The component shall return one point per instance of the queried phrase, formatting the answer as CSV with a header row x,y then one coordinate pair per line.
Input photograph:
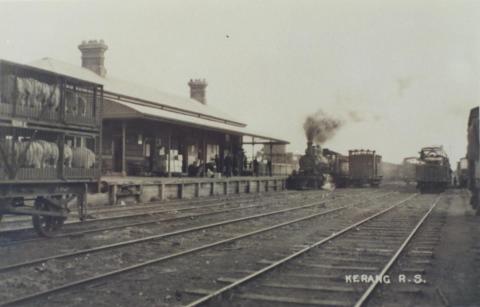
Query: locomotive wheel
x,y
46,226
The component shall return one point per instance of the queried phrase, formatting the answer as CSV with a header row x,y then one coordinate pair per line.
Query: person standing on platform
x,y
228,165
218,167
245,164
255,167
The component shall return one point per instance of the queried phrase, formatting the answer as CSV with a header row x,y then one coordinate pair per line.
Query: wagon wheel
x,y
46,226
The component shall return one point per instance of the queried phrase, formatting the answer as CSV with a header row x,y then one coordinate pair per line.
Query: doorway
x,y
117,154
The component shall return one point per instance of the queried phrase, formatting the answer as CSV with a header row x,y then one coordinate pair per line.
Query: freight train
x,y
318,167
50,137
433,172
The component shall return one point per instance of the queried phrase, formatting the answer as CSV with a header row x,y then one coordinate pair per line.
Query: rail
x,y
280,262
42,293
363,299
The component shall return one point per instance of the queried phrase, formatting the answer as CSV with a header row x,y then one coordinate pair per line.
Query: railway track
x,y
343,269
106,214
419,254
13,237
157,237
156,217
195,247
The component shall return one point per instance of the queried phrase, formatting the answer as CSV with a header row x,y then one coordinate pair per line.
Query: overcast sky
x,y
408,71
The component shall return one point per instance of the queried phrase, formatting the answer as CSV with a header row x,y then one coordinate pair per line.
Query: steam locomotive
x,y
320,167
313,171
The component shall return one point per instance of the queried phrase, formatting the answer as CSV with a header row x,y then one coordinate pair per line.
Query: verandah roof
x,y
118,109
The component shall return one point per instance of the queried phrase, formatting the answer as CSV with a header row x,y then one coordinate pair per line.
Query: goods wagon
x,y
364,167
433,171
473,158
50,136
338,167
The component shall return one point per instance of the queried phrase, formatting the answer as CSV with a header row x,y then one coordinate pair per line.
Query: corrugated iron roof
x,y
134,91
132,110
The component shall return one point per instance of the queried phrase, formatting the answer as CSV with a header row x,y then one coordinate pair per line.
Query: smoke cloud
x,y
320,127
356,116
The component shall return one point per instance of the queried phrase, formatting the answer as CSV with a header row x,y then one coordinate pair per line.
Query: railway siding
x,y
172,247
138,215
325,263
349,249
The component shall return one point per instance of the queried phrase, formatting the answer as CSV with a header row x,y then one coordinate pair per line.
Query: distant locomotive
x,y
433,171
313,171
364,167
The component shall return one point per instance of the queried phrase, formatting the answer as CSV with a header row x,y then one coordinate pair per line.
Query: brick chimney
x,y
92,56
197,90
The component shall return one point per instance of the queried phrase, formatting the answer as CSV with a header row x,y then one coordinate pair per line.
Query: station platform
x,y
147,189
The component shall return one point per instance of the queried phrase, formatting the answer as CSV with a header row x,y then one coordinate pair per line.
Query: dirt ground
x,y
457,257
453,274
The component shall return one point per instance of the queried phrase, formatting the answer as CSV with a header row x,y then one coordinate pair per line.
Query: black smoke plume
x,y
320,127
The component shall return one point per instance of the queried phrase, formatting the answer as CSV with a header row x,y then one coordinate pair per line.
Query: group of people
x,y
230,166
227,167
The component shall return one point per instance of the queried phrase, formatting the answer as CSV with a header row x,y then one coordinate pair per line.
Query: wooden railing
x,y
50,173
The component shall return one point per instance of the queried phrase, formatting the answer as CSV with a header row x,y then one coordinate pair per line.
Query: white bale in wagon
x,y
26,92
28,154
50,154
82,157
67,155
46,95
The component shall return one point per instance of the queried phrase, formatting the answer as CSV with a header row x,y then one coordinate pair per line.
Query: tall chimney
x,y
197,90
92,56
309,150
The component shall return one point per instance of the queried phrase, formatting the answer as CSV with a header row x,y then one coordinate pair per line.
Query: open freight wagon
x,y
50,140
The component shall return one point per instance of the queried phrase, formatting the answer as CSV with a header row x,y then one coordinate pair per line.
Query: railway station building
x,y
152,134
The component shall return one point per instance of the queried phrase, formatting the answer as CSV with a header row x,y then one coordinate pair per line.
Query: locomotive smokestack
x,y
309,149
309,146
